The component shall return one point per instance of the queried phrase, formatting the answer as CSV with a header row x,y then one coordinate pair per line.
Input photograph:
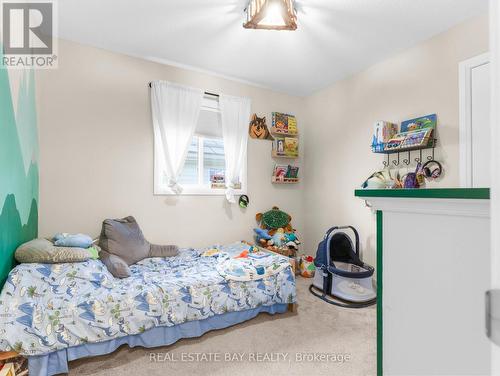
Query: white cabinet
x,y
434,258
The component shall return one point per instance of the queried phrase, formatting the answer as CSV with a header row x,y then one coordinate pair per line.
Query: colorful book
x,y
420,123
292,124
383,132
284,123
292,172
279,146
280,171
417,138
291,147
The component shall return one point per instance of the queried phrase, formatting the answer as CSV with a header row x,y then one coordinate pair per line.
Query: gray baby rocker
x,y
341,277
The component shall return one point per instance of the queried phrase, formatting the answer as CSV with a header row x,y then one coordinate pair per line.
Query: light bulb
x,y
274,15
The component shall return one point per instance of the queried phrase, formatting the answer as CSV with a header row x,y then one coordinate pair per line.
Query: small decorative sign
x,y
258,128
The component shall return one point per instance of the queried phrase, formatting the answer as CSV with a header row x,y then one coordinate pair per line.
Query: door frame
x,y
465,121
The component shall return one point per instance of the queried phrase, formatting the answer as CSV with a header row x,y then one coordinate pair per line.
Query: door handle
x,y
492,311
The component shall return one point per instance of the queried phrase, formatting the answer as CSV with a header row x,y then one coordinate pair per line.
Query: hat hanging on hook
x,y
244,201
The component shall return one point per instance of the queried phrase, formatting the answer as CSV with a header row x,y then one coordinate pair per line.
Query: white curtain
x,y
235,115
175,109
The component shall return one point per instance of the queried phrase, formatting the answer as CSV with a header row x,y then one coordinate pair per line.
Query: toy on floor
x,y
306,266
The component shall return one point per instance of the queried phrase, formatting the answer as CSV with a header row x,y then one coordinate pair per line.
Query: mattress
x,y
49,307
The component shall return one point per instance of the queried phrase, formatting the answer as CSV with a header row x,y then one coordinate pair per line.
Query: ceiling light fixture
x,y
271,15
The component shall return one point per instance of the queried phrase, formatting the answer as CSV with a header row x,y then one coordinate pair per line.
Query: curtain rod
x,y
206,92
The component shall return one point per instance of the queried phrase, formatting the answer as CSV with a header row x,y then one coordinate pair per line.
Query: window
x,y
205,162
204,169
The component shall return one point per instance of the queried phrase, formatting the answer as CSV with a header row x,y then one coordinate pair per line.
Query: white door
x,y
480,125
475,129
495,160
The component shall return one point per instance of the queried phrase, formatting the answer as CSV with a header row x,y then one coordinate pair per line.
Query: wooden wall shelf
x,y
285,180
277,132
275,155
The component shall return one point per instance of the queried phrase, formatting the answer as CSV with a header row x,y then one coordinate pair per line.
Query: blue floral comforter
x,y
48,307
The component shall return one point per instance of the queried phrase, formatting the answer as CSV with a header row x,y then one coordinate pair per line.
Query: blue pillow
x,y
72,240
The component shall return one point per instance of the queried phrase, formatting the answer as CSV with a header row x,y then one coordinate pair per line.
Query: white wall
x,y
419,81
96,144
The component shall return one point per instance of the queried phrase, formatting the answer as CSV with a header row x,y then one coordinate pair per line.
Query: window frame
x,y
209,104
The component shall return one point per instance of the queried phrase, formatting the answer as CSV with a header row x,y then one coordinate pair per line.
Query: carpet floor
x,y
317,339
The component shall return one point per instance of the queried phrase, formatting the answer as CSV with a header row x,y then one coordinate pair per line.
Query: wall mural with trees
x,y
18,168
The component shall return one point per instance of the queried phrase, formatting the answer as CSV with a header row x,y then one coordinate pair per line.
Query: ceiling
x,y
335,38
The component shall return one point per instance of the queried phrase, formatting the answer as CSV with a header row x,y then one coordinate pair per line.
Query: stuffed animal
x,y
276,231
262,235
274,219
278,238
291,240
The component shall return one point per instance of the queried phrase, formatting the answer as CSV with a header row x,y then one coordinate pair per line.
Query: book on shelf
x,y
292,172
282,172
418,138
279,146
284,123
291,147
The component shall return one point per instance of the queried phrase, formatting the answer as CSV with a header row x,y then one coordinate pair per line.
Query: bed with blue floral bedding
x,y
61,310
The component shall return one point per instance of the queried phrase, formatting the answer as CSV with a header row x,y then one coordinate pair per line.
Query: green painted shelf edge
x,y
460,193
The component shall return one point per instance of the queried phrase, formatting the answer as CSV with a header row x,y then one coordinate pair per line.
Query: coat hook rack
x,y
396,163
407,161
386,163
431,158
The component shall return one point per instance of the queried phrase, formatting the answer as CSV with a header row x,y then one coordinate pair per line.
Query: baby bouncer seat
x,y
341,277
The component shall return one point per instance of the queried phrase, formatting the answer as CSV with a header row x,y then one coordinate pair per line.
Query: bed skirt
x,y
57,362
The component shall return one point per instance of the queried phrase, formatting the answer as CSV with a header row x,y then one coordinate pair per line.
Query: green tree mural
x,y
18,169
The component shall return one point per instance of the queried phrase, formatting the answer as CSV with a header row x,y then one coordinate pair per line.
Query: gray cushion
x,y
124,238
163,250
45,252
116,266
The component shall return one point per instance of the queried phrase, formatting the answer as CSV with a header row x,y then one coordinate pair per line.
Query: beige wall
x,y
419,81
96,144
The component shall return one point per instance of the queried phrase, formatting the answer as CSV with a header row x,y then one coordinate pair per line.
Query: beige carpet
x,y
316,328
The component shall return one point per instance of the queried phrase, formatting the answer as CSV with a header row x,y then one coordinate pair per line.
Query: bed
x,y
55,313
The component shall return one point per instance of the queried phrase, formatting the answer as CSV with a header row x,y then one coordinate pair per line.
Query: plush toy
x,y
274,219
276,232
291,240
262,236
243,254
278,238
253,249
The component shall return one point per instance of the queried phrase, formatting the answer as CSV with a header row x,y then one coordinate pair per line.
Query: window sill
x,y
196,191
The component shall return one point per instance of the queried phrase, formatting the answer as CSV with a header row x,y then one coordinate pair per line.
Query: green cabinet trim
x,y
456,193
